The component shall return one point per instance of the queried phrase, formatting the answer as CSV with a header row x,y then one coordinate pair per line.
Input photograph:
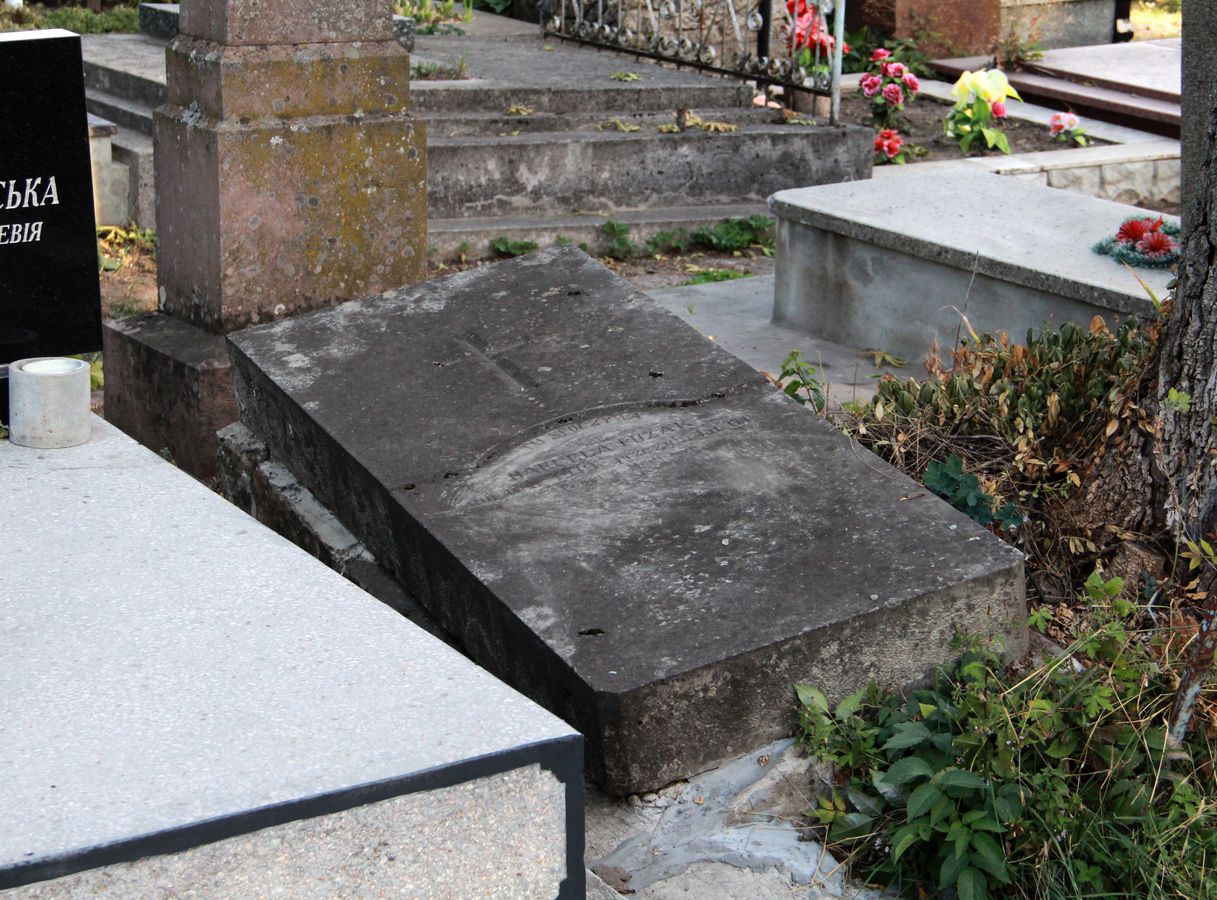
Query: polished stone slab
x,y
613,514
175,674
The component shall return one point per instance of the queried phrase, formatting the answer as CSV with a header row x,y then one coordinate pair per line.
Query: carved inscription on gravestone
x,y
50,302
577,456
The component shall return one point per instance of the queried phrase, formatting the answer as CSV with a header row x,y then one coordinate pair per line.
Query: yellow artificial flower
x,y
962,91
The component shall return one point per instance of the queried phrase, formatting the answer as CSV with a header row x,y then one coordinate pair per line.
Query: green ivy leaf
x,y
923,799
948,874
907,734
990,857
811,697
908,769
864,802
850,705
959,778
903,839
971,884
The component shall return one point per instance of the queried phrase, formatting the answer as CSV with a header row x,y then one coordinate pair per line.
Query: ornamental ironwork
x,y
795,43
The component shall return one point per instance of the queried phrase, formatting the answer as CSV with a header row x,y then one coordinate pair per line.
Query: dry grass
x,y
1152,21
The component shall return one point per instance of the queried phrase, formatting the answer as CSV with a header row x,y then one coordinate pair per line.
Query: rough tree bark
x,y
1188,362
1187,454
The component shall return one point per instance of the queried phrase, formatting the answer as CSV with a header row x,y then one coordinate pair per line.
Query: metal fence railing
x,y
796,43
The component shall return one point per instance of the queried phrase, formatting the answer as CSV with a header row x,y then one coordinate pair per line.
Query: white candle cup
x,y
48,402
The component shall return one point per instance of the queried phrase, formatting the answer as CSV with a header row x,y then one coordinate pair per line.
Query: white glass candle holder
x,y
48,402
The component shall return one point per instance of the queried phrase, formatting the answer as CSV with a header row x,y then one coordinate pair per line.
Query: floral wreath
x,y
1146,242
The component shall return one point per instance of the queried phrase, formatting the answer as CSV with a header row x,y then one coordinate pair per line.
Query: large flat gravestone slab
x,y
619,518
893,263
50,300
178,679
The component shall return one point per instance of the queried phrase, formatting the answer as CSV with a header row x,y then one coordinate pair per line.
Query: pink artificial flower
x,y
1156,243
1062,121
870,84
893,94
880,55
911,82
999,110
894,70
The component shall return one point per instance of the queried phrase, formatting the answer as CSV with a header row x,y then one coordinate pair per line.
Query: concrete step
x,y
479,95
449,239
1122,107
564,172
195,706
130,114
130,66
498,123
134,149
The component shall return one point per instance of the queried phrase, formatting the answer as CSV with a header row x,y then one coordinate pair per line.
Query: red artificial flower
x,y
870,84
1135,229
880,55
1156,243
893,69
999,110
893,94
911,82
889,143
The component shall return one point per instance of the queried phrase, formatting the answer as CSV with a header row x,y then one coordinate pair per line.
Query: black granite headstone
x,y
612,514
50,300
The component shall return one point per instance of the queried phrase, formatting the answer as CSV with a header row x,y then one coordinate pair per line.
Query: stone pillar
x,y
289,176
1199,71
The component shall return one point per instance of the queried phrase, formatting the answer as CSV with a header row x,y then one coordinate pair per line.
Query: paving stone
x,y
1128,182
614,514
1088,181
175,675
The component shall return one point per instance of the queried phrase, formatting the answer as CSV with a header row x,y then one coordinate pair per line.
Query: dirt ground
x,y
132,288
925,116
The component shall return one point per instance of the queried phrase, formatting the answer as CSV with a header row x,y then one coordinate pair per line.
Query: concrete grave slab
x,y
893,263
615,515
191,703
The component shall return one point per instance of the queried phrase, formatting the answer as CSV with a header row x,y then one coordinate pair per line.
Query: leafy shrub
x,y
964,492
1027,420
713,276
1054,782
732,235
119,20
617,240
504,246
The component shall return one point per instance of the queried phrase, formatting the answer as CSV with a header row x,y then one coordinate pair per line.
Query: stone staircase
x,y
543,140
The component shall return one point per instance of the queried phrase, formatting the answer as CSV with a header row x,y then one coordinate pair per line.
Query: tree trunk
x,y
1188,362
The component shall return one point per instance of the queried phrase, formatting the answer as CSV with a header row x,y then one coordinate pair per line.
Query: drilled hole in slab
x,y
408,487
591,632
657,374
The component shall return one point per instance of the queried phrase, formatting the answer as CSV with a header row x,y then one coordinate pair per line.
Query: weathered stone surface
x,y
288,178
236,22
615,515
168,385
264,220
159,20
266,490
365,79
893,263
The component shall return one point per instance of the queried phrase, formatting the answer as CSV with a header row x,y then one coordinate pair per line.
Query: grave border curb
x,y
563,757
